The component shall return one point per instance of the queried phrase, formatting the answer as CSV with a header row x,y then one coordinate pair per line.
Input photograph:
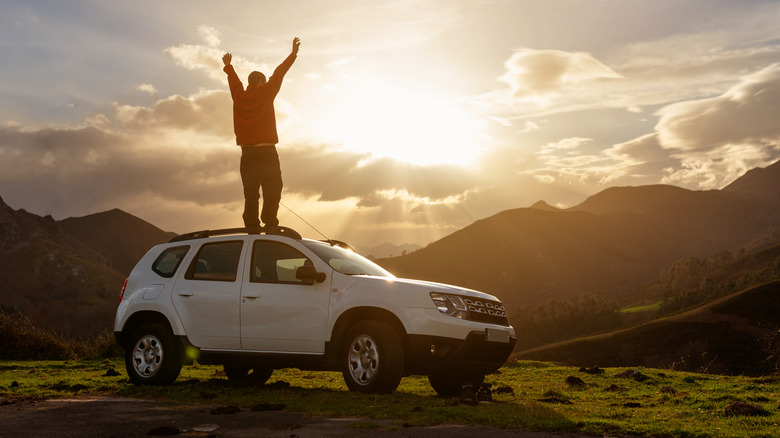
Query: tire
x,y
247,373
372,359
151,357
451,386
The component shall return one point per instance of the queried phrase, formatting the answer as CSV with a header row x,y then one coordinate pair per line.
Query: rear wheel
x,y
372,360
151,357
247,373
451,386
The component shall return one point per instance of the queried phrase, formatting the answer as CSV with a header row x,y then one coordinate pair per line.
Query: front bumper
x,y
447,356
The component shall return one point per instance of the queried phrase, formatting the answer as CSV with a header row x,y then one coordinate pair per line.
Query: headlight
x,y
471,309
452,305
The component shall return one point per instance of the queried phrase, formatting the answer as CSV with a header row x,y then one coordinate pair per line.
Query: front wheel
x,y
245,373
372,360
151,357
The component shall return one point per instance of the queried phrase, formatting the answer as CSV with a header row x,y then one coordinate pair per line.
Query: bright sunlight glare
x,y
415,129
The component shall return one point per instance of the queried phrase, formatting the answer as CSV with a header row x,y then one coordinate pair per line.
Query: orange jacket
x,y
254,120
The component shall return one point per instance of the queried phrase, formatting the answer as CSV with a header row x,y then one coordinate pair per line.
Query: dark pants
x,y
260,169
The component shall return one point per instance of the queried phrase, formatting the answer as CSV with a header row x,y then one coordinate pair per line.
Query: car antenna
x,y
304,221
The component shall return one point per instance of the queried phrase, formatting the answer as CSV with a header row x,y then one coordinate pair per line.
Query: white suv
x,y
255,300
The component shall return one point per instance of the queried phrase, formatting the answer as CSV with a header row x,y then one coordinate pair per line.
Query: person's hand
x,y
226,58
295,45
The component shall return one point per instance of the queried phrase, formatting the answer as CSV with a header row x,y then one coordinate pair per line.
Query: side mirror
x,y
309,274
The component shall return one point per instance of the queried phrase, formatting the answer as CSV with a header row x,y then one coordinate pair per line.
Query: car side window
x,y
275,262
216,261
166,264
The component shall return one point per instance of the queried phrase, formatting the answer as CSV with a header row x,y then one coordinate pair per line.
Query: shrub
x,y
20,339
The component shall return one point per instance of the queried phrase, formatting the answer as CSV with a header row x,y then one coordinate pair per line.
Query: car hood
x,y
431,286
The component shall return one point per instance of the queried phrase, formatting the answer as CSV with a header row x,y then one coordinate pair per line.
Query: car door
x,y
280,313
207,297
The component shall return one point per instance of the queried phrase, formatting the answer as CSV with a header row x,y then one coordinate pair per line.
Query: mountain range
x,y
66,275
613,243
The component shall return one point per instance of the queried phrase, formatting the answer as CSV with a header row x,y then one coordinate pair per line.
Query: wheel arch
x,y
357,314
137,320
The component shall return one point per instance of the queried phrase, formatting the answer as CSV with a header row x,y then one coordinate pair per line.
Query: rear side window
x,y
166,264
216,261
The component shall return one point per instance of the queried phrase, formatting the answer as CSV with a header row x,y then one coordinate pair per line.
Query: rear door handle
x,y
252,295
186,294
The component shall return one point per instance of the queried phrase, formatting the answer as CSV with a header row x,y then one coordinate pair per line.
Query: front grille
x,y
486,311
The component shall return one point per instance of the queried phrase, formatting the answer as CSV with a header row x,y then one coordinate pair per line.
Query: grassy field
x,y
528,395
653,307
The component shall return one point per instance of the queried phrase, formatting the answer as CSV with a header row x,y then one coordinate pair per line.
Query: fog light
x,y
433,350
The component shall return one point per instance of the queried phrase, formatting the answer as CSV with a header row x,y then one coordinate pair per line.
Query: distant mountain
x,y
58,282
689,223
121,237
610,244
388,250
541,205
761,183
732,335
529,255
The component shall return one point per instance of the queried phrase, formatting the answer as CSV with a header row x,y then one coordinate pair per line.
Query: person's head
x,y
256,78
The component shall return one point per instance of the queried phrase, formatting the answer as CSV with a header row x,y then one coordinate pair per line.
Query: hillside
x,y
732,335
121,237
59,282
528,255
612,244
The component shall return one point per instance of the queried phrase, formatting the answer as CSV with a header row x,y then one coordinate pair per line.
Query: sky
x,y
400,121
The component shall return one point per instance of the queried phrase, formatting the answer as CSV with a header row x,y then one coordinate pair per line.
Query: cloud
x,y
719,138
147,88
332,174
198,57
210,35
208,112
746,113
543,73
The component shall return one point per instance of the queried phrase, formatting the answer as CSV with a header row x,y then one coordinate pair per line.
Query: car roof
x,y
273,231
276,231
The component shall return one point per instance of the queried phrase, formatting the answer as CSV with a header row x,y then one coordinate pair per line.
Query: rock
x,y
615,388
575,381
221,410
633,374
504,390
111,373
745,409
592,370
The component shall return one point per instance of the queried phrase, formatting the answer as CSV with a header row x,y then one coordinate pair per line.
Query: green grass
x,y
654,307
667,403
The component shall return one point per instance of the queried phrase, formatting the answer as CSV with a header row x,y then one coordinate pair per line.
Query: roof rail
x,y
276,231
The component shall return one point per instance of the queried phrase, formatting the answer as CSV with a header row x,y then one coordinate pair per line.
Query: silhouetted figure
x,y
254,123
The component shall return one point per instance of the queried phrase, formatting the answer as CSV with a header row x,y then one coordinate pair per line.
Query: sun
x,y
409,127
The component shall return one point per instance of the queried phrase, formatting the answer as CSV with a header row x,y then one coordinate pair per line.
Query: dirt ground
x,y
125,417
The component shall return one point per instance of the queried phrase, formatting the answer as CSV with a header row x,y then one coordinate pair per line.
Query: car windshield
x,y
345,261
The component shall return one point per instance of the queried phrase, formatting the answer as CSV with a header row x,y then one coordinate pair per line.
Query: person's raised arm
x,y
233,81
295,45
281,70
